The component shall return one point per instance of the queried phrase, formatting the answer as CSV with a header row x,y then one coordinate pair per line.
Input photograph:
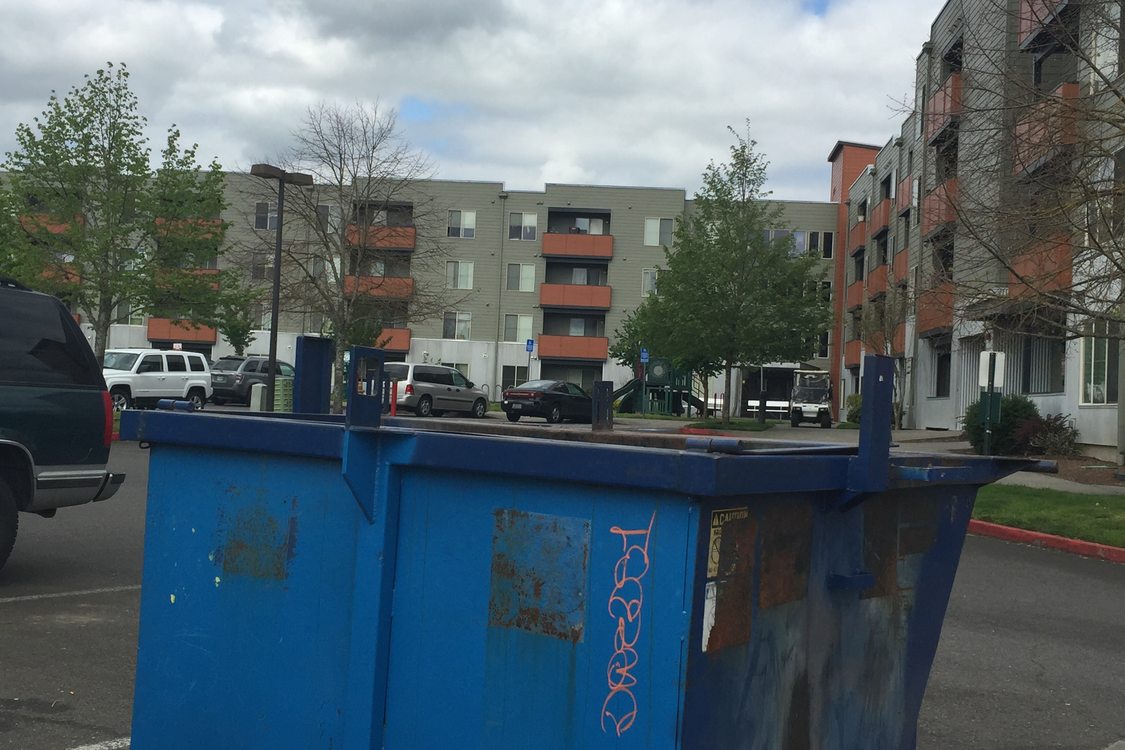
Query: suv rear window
x,y
225,364
396,371
41,344
196,363
175,362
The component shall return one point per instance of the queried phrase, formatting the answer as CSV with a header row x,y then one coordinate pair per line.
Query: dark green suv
x,y
56,418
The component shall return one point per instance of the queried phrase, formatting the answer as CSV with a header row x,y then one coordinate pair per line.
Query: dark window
x,y
41,344
151,363
826,245
1044,361
943,361
251,366
512,375
859,266
284,370
196,364
176,363
459,379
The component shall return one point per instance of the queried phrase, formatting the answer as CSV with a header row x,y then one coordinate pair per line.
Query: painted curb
x,y
1049,541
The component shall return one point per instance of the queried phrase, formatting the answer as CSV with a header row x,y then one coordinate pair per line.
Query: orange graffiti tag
x,y
625,605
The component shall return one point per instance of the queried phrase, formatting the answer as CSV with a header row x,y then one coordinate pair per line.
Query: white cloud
x,y
601,91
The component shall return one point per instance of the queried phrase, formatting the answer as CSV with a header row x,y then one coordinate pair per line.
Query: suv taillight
x,y
238,378
107,409
409,389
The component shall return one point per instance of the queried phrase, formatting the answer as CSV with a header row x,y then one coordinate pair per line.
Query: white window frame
x,y
271,215
523,327
459,274
529,231
462,325
527,277
653,225
1096,327
649,277
466,228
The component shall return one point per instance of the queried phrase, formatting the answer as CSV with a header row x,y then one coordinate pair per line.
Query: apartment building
x,y
561,268
975,216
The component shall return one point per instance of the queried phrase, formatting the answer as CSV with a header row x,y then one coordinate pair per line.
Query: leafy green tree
x,y
234,314
729,294
97,225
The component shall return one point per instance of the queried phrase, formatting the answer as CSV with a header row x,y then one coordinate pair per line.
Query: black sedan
x,y
554,400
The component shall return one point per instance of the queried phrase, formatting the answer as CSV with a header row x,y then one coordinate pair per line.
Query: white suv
x,y
139,377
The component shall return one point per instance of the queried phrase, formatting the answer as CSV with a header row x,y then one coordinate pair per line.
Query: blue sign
x,y
531,345
644,356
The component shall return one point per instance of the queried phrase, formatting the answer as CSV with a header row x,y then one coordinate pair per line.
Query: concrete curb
x,y
1048,541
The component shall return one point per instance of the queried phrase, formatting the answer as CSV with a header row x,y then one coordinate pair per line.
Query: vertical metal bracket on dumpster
x,y
869,471
361,465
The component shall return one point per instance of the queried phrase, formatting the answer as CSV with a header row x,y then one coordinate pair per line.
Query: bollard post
x,y
394,398
601,419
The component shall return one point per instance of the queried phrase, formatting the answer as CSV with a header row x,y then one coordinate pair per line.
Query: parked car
x,y
232,377
56,418
435,389
554,400
141,377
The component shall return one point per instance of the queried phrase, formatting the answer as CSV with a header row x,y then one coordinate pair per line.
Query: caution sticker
x,y
718,519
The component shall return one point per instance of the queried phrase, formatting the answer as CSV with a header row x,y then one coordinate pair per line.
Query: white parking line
x,y
1119,745
62,594
121,744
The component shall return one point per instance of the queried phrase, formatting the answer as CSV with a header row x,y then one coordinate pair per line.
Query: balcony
x,y
382,238
857,236
880,217
904,195
935,310
901,266
898,343
943,109
394,339
1043,269
1050,126
877,281
853,353
1035,16
381,287
854,296
598,246
594,348
170,329
939,207
575,296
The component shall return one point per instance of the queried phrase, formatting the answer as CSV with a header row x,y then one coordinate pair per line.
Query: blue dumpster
x,y
314,584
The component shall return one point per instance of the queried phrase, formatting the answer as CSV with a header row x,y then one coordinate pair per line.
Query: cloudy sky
x,y
614,92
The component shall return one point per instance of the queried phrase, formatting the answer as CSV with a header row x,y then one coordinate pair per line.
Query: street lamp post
x,y
270,172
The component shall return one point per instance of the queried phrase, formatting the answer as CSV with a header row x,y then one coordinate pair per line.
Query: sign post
x,y
991,379
530,349
644,381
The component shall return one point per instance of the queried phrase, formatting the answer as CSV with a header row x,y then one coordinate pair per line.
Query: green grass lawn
x,y
735,425
1094,518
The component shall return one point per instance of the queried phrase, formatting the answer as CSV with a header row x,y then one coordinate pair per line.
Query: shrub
x,y
1007,438
1055,435
853,404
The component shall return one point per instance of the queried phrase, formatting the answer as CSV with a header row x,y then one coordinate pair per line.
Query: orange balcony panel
x,y
383,287
853,353
943,108
575,295
44,223
1049,126
574,347
880,216
857,236
877,281
939,207
382,238
394,339
935,309
854,296
1035,14
904,195
168,329
65,273
578,245
901,265
899,343
1044,268
203,229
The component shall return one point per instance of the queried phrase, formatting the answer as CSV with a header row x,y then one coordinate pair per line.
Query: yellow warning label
x,y
718,518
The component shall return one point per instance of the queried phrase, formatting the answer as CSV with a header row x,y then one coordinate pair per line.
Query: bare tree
x,y
365,246
882,326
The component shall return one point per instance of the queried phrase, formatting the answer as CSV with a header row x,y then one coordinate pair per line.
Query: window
x,y
800,242
259,264
861,211
942,361
196,364
1099,363
826,291
41,346
1044,361
151,363
826,245
585,225
512,375
463,224
522,226
521,277
265,216
577,326
459,274
176,363
648,281
461,367
658,232
456,325
859,265
822,349
578,276
517,327
324,222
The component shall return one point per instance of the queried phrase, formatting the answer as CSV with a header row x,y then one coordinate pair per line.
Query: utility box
x,y
309,584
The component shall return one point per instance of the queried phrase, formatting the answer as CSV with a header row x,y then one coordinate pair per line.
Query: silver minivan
x,y
436,389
